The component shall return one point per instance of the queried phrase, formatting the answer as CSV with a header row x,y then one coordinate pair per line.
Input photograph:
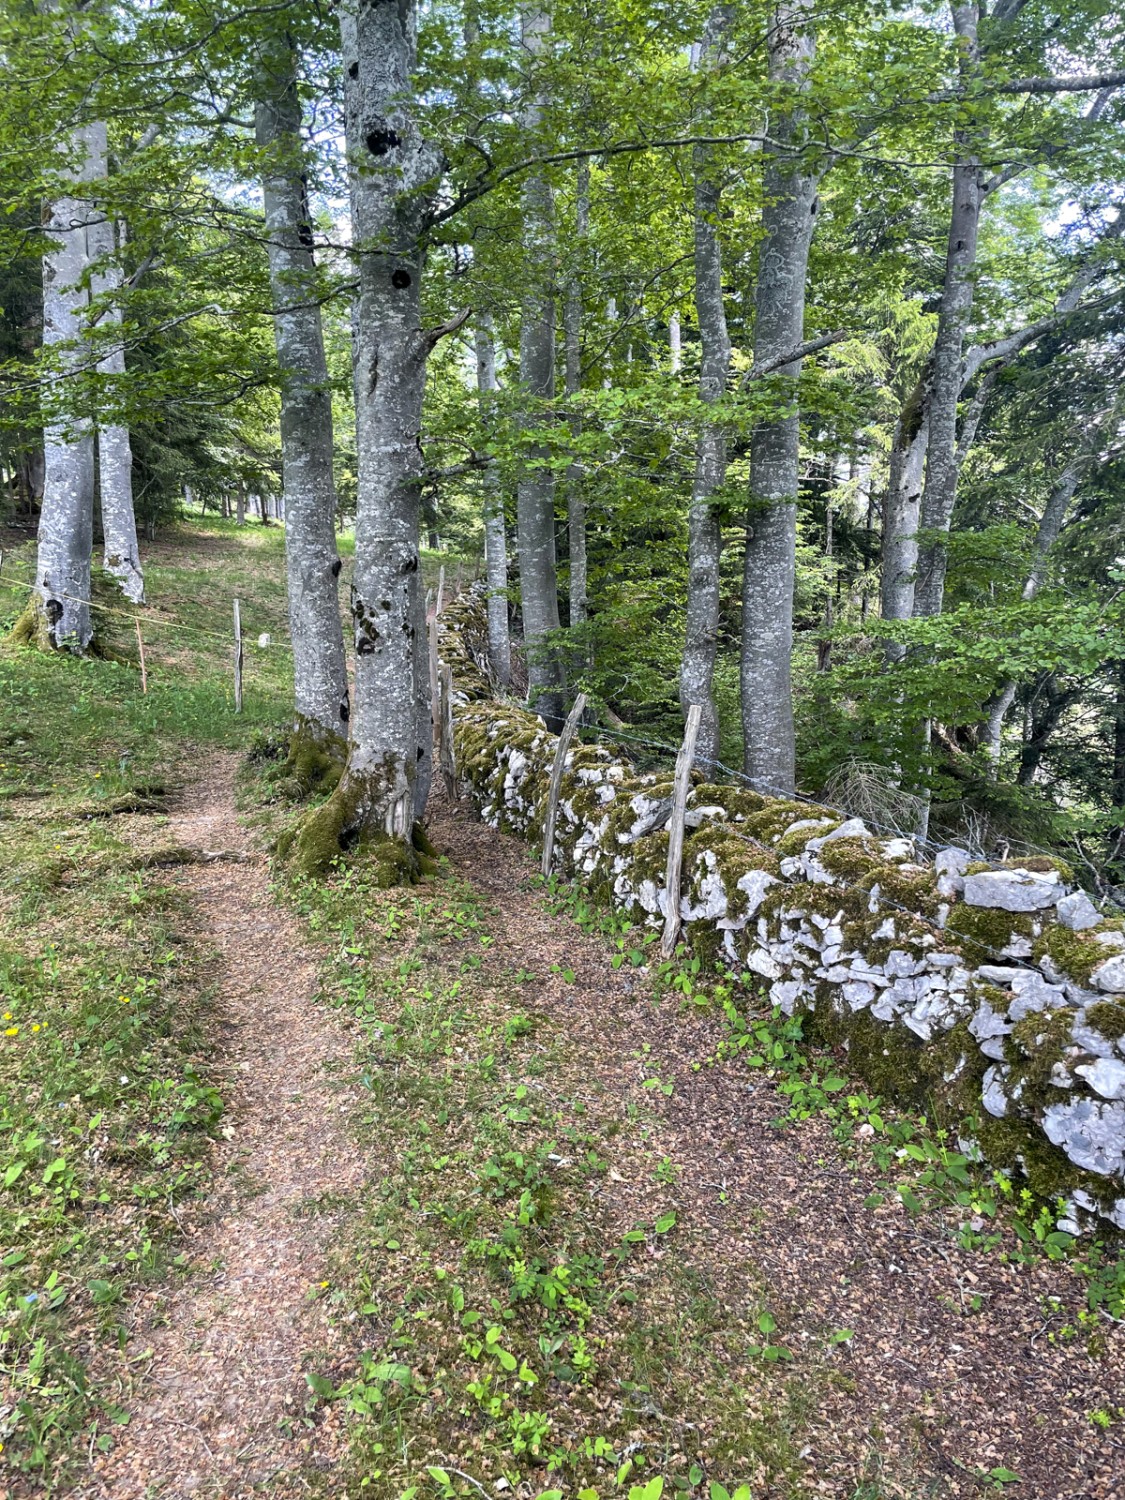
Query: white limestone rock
x,y
786,993
897,849
858,993
1114,1212
993,1097
761,963
852,828
1091,1133
1110,976
1078,912
754,884
1106,1076
1012,890
950,866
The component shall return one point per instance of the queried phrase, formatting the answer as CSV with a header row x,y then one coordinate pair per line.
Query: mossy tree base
x,y
313,765
350,822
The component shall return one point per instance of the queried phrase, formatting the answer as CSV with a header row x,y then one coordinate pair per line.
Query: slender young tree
x,y
940,488
495,532
705,536
121,555
788,221
320,678
572,335
535,495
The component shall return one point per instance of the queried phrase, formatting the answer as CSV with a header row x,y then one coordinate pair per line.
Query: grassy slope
x,y
106,1094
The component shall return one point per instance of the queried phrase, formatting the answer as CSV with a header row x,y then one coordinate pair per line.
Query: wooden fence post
x,y
440,590
141,649
684,762
237,658
446,757
435,707
556,779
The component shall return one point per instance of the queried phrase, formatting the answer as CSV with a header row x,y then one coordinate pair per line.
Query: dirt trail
x,y
230,1346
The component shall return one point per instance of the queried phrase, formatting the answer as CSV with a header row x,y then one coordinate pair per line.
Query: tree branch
x,y
810,346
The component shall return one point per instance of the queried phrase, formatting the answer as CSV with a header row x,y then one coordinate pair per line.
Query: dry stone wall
x,y
993,995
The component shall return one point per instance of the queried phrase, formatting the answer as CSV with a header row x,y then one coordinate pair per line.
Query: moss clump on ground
x,y
30,628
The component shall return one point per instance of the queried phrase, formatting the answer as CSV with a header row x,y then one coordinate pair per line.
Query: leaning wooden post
x,y
556,779
446,757
684,762
434,706
440,589
141,649
237,658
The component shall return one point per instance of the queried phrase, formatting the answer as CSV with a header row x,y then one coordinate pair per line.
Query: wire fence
x,y
160,620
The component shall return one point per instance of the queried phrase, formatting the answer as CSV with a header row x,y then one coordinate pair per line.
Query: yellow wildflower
x,y
37,1027
124,999
12,1031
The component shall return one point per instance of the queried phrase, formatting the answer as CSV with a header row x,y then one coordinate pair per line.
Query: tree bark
x,y
121,556
901,510
393,177
705,535
572,336
535,495
788,220
495,537
66,521
939,493
320,678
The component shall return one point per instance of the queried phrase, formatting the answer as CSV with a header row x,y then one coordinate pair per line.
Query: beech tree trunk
x,y
495,537
901,511
66,521
393,178
705,536
939,493
535,495
121,556
320,678
788,220
572,334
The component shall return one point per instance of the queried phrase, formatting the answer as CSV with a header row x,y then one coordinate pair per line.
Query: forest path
x,y
221,1356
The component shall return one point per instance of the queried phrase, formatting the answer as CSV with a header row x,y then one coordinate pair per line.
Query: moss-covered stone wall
x,y
993,995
